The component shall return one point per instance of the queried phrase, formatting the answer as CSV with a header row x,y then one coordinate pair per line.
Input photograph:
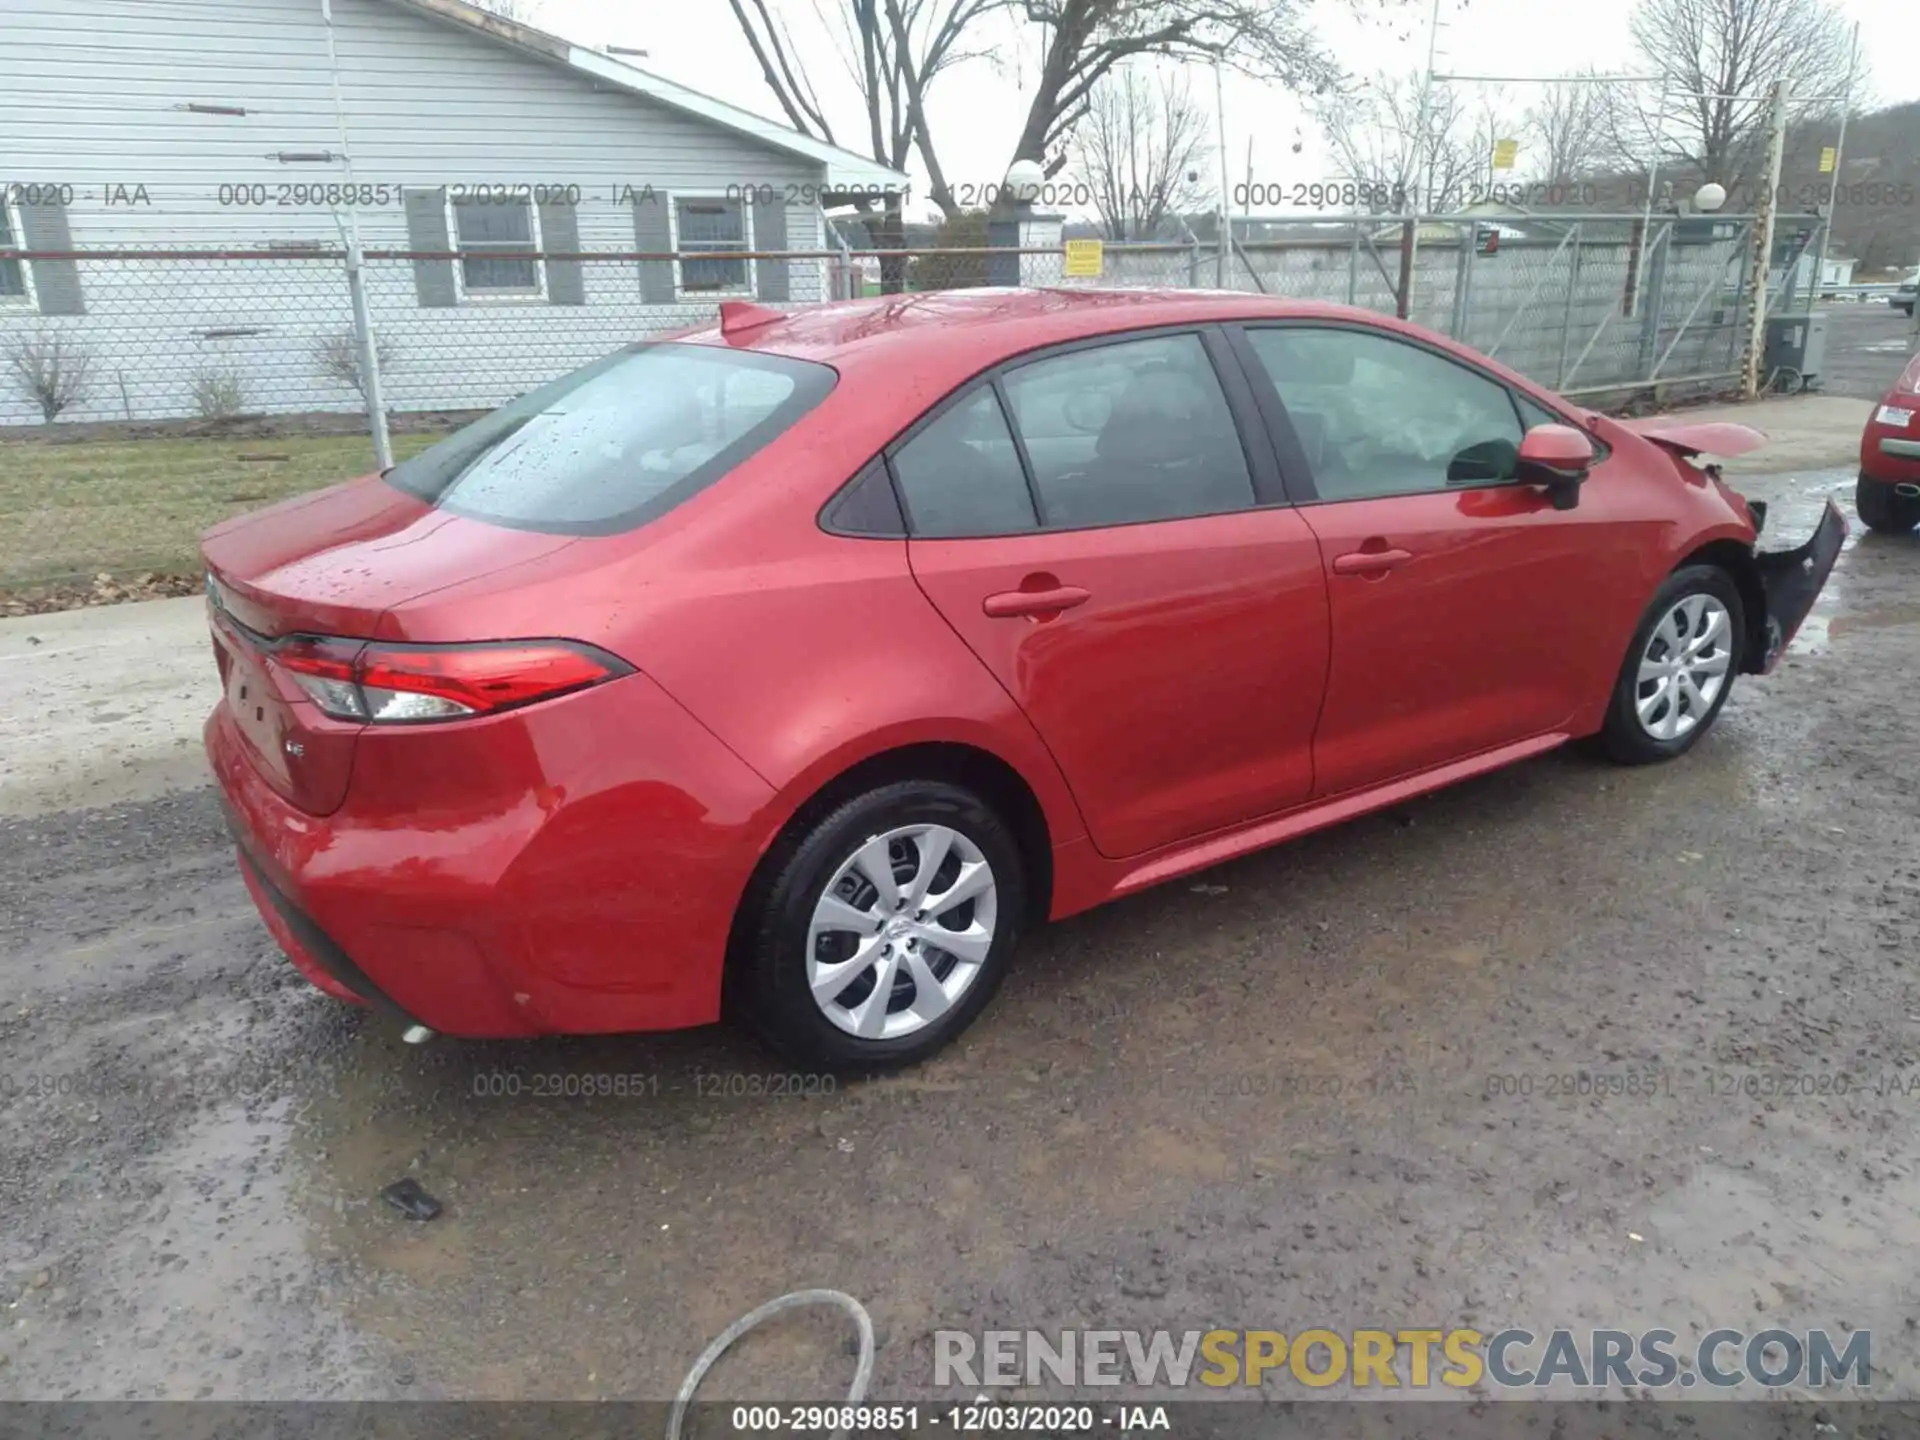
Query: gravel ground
x,y
1313,1087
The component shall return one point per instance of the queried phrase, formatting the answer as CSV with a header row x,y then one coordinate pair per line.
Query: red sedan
x,y
790,669
1888,493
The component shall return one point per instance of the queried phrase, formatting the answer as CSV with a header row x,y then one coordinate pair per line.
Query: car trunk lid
x,y
330,564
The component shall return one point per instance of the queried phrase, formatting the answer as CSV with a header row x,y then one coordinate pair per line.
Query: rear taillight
x,y
401,684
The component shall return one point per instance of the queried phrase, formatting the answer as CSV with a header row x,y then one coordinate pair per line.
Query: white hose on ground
x,y
862,1373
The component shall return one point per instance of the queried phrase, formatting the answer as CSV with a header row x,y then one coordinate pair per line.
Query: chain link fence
x,y
146,394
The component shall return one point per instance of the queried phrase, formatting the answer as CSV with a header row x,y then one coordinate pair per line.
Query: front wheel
x,y
1679,669
885,929
1884,509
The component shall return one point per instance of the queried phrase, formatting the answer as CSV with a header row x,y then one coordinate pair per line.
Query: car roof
x,y
949,330
914,349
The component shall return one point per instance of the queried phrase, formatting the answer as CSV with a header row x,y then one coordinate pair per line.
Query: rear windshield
x,y
618,443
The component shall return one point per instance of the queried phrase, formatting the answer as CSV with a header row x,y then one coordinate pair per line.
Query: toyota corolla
x,y
792,668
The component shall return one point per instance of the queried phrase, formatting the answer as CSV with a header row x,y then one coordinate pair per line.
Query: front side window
x,y
612,446
1377,416
1136,430
711,228
485,231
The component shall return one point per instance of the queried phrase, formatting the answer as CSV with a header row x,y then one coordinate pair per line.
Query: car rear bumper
x,y
513,876
1891,454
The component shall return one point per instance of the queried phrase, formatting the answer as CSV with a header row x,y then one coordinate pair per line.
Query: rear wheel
x,y
1679,669
885,929
1884,509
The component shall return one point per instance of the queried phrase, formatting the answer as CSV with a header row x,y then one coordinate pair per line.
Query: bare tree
x,y
53,369
1378,139
900,46
1084,40
1568,130
1718,59
1140,151
894,49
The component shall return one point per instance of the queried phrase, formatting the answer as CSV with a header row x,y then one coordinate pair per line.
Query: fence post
x,y
1403,292
1744,243
1566,311
1462,281
369,351
1653,295
1763,246
1353,268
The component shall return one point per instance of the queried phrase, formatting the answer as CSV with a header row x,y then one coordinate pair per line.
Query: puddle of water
x,y
207,1288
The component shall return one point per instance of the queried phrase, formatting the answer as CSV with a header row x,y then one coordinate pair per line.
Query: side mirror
x,y
1556,458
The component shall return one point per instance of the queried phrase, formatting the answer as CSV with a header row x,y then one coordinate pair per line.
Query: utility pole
x,y
1410,251
1763,241
1225,236
1839,156
367,348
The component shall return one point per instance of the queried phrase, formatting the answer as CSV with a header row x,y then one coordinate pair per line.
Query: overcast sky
x,y
977,110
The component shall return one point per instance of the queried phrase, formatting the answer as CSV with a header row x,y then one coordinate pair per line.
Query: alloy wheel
x,y
901,931
1684,666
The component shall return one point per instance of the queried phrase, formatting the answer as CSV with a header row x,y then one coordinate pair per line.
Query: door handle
x,y
1034,603
1370,562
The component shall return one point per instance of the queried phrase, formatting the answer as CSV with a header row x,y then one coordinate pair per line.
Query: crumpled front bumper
x,y
1793,580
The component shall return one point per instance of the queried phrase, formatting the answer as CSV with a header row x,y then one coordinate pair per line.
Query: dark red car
x,y
792,668
1888,494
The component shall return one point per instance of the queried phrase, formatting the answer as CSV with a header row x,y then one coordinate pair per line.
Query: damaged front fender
x,y
1792,581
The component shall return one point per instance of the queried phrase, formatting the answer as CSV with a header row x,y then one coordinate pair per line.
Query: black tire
x,y
1883,510
1623,737
770,984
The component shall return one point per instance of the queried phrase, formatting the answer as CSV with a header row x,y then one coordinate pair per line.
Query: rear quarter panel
x,y
803,652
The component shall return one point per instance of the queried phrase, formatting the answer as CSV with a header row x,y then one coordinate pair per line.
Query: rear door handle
x,y
1370,562
1034,603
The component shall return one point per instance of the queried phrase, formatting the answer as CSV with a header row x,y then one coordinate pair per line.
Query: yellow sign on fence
x,y
1086,259
1829,157
1505,152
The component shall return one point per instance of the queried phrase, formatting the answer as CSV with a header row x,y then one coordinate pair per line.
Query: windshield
x,y
614,445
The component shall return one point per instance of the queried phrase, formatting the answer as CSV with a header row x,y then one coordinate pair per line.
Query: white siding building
x,y
212,127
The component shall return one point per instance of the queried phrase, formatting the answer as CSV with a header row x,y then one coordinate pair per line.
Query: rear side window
x,y
1136,430
961,475
614,445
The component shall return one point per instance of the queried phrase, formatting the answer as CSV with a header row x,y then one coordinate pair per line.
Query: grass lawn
x,y
72,510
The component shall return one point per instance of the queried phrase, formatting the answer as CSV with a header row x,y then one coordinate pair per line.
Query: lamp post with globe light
x,y
1007,220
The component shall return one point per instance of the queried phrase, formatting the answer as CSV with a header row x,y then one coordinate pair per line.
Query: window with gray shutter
x,y
13,273
55,284
494,237
560,235
652,235
770,233
433,281
710,231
